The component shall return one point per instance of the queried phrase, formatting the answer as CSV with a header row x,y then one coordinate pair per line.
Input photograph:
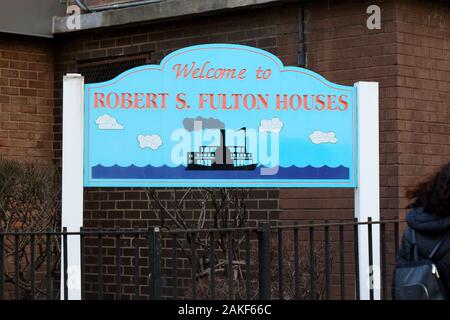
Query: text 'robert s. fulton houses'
x,y
221,101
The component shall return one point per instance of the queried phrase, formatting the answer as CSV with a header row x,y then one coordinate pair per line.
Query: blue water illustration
x,y
180,172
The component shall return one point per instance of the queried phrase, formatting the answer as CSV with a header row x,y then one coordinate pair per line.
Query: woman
x,y
429,216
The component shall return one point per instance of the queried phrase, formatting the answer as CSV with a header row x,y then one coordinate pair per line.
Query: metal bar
x,y
100,264
194,266
151,263
154,263
341,261
312,271
206,230
2,266
16,266
136,266
247,265
32,266
383,259
370,258
327,261
296,266
174,266
301,53
82,264
280,264
311,224
118,266
264,261
66,262
183,231
396,236
85,232
48,253
213,265
157,263
356,256
230,265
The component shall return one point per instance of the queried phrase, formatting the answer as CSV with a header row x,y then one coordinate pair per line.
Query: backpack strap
x,y
438,245
414,248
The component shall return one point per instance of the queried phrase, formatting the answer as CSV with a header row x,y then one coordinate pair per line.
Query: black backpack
x,y
418,279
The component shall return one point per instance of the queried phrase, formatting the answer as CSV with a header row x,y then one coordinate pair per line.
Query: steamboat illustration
x,y
221,157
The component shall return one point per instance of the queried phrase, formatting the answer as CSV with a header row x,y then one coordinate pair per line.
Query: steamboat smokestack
x,y
222,141
245,137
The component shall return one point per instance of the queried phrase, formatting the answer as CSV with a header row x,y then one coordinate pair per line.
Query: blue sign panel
x,y
220,115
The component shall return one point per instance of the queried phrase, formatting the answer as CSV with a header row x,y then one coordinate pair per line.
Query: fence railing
x,y
297,261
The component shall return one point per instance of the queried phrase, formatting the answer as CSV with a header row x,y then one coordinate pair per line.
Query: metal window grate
x,y
104,70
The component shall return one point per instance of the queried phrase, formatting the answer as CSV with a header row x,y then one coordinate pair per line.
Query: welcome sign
x,y
220,115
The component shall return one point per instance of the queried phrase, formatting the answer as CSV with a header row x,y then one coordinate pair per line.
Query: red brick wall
x,y
341,48
409,57
26,98
423,95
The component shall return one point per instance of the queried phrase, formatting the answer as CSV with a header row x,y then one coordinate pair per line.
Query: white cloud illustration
x,y
153,141
318,137
274,125
106,122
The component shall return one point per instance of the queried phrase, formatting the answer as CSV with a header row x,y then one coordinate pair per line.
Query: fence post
x,y
2,265
264,261
154,264
65,265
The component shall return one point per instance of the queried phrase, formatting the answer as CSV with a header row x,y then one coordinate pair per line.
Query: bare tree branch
x,y
29,201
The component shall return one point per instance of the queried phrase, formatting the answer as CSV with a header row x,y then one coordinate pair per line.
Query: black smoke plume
x,y
206,123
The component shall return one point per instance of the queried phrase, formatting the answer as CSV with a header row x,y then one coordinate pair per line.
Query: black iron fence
x,y
298,261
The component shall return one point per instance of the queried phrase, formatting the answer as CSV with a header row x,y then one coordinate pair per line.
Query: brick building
x,y
409,57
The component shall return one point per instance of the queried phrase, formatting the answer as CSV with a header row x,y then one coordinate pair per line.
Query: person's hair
x,y
433,194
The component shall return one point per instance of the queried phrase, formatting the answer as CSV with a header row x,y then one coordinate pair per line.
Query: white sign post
x,y
367,194
72,180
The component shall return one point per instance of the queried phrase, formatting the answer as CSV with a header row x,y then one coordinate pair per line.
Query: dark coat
x,y
429,230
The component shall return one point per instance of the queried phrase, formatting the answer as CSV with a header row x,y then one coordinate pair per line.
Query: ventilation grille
x,y
101,70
